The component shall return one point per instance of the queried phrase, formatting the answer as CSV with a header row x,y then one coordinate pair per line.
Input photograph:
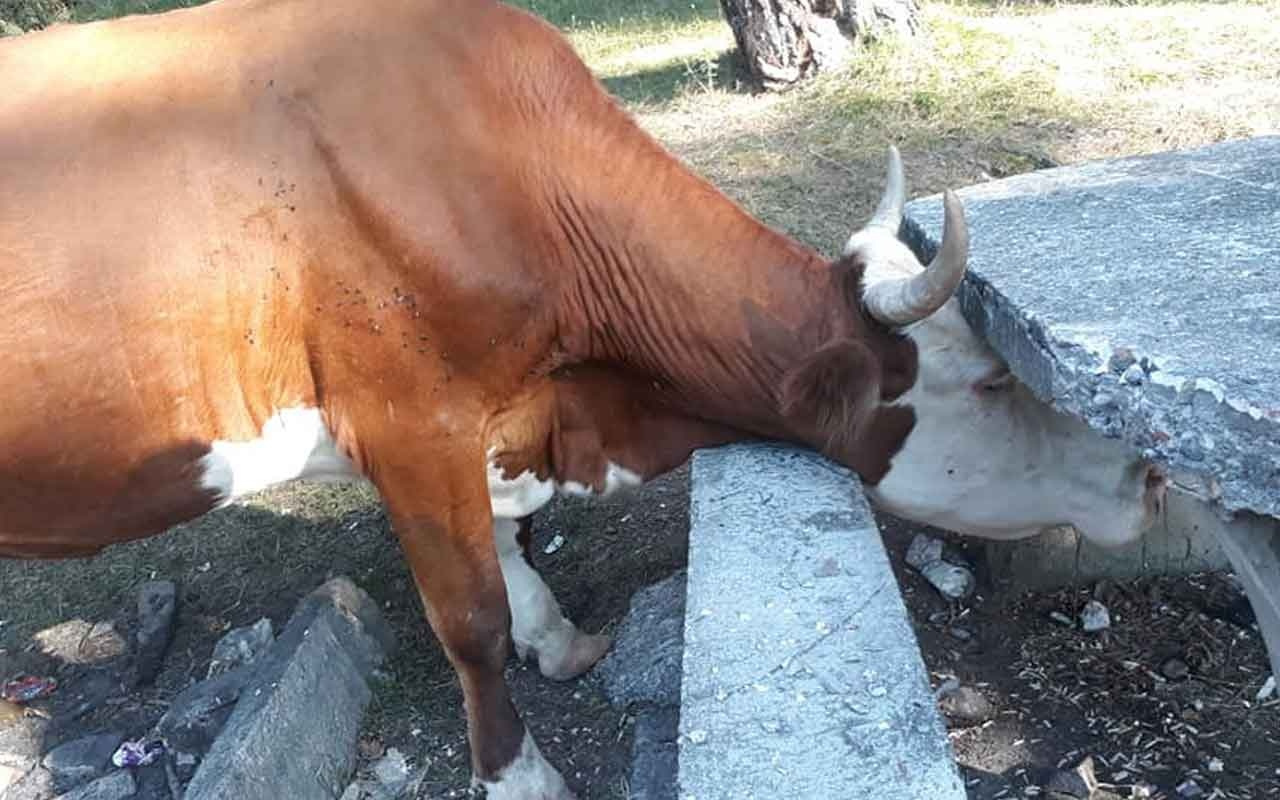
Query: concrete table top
x,y
1143,296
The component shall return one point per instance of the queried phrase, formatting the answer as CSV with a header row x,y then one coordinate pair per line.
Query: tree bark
x,y
786,41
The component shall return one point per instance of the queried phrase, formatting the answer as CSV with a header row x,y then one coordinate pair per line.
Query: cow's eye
x,y
997,382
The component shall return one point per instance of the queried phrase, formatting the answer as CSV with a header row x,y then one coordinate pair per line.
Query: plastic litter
x,y
555,544
137,753
28,688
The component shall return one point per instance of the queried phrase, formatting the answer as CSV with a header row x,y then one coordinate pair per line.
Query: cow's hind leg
x,y
537,624
441,515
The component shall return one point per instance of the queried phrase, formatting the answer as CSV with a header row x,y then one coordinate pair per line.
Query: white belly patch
x,y
525,493
295,444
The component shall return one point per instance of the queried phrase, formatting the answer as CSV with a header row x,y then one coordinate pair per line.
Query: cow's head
x,y
984,456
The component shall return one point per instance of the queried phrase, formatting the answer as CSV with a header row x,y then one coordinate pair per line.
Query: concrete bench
x,y
802,677
1142,295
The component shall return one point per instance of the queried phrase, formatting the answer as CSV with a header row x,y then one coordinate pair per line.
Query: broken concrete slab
x,y
294,727
1142,295
802,677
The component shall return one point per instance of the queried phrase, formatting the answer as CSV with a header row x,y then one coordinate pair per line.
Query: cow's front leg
x,y
440,512
537,624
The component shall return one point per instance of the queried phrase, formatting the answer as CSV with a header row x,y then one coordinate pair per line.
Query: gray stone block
x,y
80,760
116,786
643,666
1169,263
802,677
195,717
293,730
655,754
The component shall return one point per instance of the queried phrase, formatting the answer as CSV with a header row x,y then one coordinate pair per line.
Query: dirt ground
x,y
1059,694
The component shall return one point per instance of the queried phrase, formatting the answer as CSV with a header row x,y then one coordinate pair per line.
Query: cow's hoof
x,y
527,777
581,655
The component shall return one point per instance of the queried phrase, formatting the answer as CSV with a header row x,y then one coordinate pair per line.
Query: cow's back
x,y
200,212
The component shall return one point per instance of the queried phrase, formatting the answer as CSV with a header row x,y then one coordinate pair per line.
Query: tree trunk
x,y
786,41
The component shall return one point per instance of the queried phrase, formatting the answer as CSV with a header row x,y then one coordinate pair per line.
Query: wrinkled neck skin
x,y
648,283
1033,467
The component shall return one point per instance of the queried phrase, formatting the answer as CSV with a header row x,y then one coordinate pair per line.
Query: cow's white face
x,y
986,457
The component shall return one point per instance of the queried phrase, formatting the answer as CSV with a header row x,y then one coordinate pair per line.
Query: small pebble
x,y
1134,375
963,634
923,550
1189,789
967,705
1268,689
698,737
1215,765
1095,617
952,581
1060,618
1077,782
1175,669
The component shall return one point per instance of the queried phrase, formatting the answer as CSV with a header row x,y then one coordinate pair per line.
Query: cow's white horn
x,y
888,213
907,300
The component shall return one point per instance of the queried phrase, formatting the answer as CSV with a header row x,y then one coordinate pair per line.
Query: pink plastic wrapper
x,y
138,753
28,688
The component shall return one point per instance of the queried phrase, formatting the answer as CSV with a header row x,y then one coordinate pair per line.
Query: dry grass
x,y
987,92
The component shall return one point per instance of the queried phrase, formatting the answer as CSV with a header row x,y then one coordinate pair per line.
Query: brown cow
x,y
413,241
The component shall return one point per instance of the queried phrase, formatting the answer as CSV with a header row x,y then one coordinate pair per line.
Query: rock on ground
x,y
644,664
294,728
655,754
642,672
240,646
967,705
36,785
157,605
195,717
80,760
116,786
22,743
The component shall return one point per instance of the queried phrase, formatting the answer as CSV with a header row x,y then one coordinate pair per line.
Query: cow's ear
x,y
832,395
